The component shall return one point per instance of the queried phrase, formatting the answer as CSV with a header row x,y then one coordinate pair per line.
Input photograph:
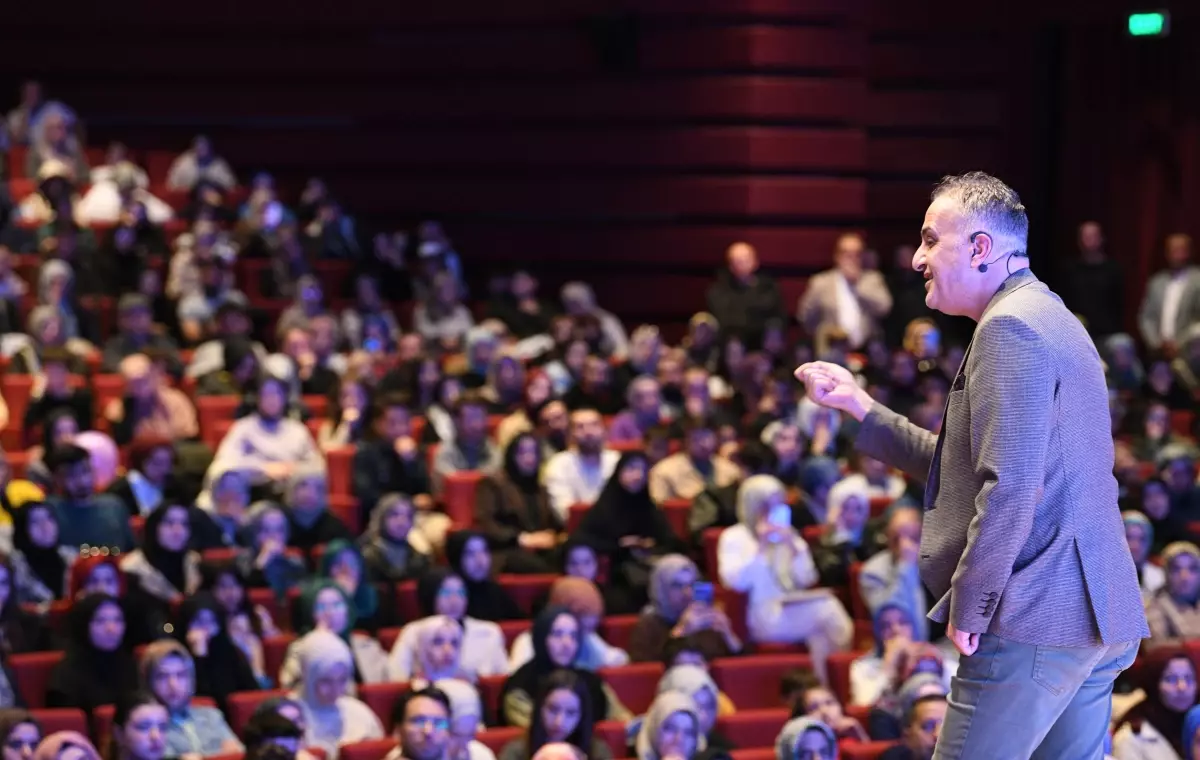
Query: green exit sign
x,y
1151,24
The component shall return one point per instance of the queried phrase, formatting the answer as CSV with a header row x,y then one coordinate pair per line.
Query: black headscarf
x,y
618,513
170,564
526,484
529,677
56,414
486,599
224,669
429,585
46,563
88,677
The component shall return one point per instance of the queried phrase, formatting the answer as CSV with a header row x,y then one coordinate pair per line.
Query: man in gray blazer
x,y
1172,301
1022,544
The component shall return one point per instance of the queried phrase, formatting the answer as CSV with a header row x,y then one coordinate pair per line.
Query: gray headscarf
x,y
665,569
396,554
665,705
789,736
319,652
300,475
755,493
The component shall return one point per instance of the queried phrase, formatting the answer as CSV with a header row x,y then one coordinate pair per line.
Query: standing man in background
x,y
1022,543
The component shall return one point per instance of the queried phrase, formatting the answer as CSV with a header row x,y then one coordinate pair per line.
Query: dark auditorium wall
x,y
586,137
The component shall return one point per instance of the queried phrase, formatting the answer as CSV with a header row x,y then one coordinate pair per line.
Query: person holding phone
x,y
765,557
681,605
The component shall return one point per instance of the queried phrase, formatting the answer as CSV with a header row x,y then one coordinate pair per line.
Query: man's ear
x,y
981,248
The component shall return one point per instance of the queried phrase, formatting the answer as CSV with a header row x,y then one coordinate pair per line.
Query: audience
x,y
99,665
1173,612
577,475
326,673
512,510
168,672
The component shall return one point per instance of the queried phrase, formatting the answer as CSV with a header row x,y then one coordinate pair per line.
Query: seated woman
x,y
20,630
39,563
874,674
466,716
344,565
326,676
468,554
538,390
765,557
438,652
266,563
311,522
169,673
99,664
222,668
1139,534
562,712
325,606
141,489
806,737
1174,612
441,592
20,733
268,444
671,730
694,681
386,551
886,721
1153,728
245,624
843,541
512,510
556,644
163,571
228,506
140,726
674,612
628,527
806,696
349,408
583,599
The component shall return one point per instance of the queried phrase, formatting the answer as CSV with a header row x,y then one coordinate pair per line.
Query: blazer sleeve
x,y
1011,391
890,437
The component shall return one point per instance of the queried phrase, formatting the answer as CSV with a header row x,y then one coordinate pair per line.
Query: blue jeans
x,y
1011,701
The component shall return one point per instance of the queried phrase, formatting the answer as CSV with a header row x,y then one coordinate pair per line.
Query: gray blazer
x,y
1022,535
1150,313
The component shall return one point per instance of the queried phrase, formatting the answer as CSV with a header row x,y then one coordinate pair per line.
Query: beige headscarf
x,y
755,493
665,705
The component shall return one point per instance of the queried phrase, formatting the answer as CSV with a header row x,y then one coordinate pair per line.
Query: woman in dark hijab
x,y
38,556
556,646
626,525
221,668
467,552
164,570
99,664
20,630
512,510
1168,678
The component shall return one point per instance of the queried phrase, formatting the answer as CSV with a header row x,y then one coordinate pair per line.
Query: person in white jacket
x,y
765,557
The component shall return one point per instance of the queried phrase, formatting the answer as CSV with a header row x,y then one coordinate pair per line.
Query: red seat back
x,y
753,681
677,511
753,728
575,514
339,463
838,667
32,672
526,589
242,704
760,753
345,508
858,605
512,629
617,630
387,637
373,749
612,733
381,698
458,495
406,601
274,650
490,688
864,750
61,719
635,684
213,409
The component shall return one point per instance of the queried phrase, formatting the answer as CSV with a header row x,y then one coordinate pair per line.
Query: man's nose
x,y
918,261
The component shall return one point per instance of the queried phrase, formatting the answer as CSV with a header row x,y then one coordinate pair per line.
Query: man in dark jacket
x,y
390,461
743,299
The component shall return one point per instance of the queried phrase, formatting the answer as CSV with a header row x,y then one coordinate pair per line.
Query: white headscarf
x,y
755,493
665,705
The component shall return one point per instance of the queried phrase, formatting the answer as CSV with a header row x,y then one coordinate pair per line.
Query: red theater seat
x,y
677,511
458,496
753,728
406,601
374,749
526,589
387,637
32,673
761,753
709,539
512,629
635,684
575,514
858,605
381,697
274,650
339,463
490,688
838,666
865,750
345,507
241,705
752,681
61,719
617,630
612,733
211,410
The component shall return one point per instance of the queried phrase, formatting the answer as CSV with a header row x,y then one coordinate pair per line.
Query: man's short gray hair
x,y
993,205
